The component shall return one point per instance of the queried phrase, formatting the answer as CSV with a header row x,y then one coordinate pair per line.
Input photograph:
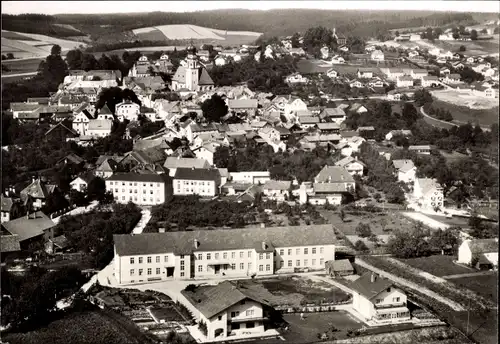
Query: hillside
x,y
119,27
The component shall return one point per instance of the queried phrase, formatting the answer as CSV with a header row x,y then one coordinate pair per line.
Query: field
x,y
437,265
77,327
27,45
463,114
485,47
484,285
194,32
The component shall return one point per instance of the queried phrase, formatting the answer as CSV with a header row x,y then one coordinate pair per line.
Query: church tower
x,y
192,69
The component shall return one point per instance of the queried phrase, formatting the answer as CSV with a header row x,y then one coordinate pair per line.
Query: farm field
x,y
485,285
485,47
77,327
454,221
186,32
438,265
463,114
377,222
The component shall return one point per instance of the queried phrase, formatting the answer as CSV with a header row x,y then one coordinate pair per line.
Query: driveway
x,y
427,221
472,274
78,211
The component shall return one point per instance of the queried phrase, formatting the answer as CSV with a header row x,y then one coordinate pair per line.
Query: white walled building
x,y
127,110
405,170
250,177
238,252
141,189
428,193
479,252
196,181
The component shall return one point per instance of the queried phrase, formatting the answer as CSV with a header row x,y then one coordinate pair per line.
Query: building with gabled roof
x,y
29,228
278,190
172,163
352,165
334,174
379,299
428,193
193,76
336,115
196,181
405,170
148,188
37,192
480,253
237,252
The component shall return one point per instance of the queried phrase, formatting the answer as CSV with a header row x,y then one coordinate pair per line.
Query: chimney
x,y
196,243
264,246
373,278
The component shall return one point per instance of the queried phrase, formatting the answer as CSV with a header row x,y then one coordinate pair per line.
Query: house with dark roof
x,y
106,168
35,226
37,193
379,300
428,193
341,267
6,207
9,244
196,181
479,253
229,310
352,165
221,252
61,132
278,190
148,188
336,115
172,163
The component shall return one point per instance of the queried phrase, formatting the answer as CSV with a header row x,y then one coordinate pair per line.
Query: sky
x,y
59,7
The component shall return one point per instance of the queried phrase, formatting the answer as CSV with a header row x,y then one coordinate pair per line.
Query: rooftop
x,y
29,226
197,174
137,177
369,289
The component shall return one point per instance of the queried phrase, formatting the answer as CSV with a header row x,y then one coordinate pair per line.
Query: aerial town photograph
x,y
258,172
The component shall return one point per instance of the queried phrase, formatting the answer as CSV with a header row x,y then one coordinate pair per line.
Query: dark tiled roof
x,y
212,300
105,110
197,174
369,289
138,177
484,245
340,265
29,227
222,239
333,174
9,243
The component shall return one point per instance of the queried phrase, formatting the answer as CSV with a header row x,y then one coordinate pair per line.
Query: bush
x,y
363,230
360,246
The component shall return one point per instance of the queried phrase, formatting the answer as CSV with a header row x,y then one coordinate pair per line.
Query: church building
x,y
192,76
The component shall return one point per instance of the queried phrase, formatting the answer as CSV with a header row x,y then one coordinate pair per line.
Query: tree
x,y
360,246
342,215
74,59
410,114
53,69
363,230
411,244
473,35
214,109
462,48
397,33
317,37
96,189
295,40
56,50
445,239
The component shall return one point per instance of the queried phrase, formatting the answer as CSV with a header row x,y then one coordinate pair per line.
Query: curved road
x,y
442,124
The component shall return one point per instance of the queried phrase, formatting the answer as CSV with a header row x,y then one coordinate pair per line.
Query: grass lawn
x,y
377,222
463,114
454,221
23,66
437,265
79,327
485,285
306,331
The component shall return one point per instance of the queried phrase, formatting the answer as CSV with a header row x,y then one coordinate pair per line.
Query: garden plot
x,y
468,99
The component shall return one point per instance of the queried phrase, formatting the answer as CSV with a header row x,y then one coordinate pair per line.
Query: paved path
x,y
472,274
78,211
425,220
436,122
18,74
450,303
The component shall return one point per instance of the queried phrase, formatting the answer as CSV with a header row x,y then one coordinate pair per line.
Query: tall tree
x,y
214,109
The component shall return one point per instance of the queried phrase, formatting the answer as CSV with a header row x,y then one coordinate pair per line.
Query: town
x,y
312,187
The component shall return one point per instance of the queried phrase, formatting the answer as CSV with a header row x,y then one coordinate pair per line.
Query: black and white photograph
x,y
258,172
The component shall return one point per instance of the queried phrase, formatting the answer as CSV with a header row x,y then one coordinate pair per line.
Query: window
x,y
216,256
200,256
149,271
313,262
297,262
249,266
268,256
268,267
132,272
140,272
395,299
249,254
182,274
131,260
289,263
158,271
249,312
321,261
235,314
166,259
233,266
200,268
282,262
314,250
157,259
389,289
297,251
305,262
321,249
306,251
233,255
140,260
149,259
289,251
378,301
261,267
224,255
261,256
242,266
250,324
208,256
241,254
282,252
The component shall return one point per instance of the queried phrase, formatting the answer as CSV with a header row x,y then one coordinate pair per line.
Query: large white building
x,y
196,181
142,189
233,253
192,76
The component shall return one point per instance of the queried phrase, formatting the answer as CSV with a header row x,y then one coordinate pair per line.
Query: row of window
x,y
192,183
200,191
130,191
135,199
306,262
149,271
135,184
306,251
248,313
150,260
224,255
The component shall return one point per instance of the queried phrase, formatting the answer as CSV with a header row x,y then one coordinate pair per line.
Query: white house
x,y
480,253
80,183
404,81
365,73
127,110
332,73
392,133
141,188
405,170
352,165
428,193
356,84
378,299
250,177
430,81
296,78
278,190
377,55
293,105
355,142
452,78
337,59
196,181
99,127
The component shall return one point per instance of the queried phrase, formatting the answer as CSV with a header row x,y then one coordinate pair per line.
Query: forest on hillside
x,y
271,23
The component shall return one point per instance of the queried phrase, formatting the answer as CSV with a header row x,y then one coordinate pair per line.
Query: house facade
x,y
250,177
192,181
142,189
277,190
405,170
479,253
207,254
127,110
428,193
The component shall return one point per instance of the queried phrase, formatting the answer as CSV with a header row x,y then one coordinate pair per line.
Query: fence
x,y
62,211
313,308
